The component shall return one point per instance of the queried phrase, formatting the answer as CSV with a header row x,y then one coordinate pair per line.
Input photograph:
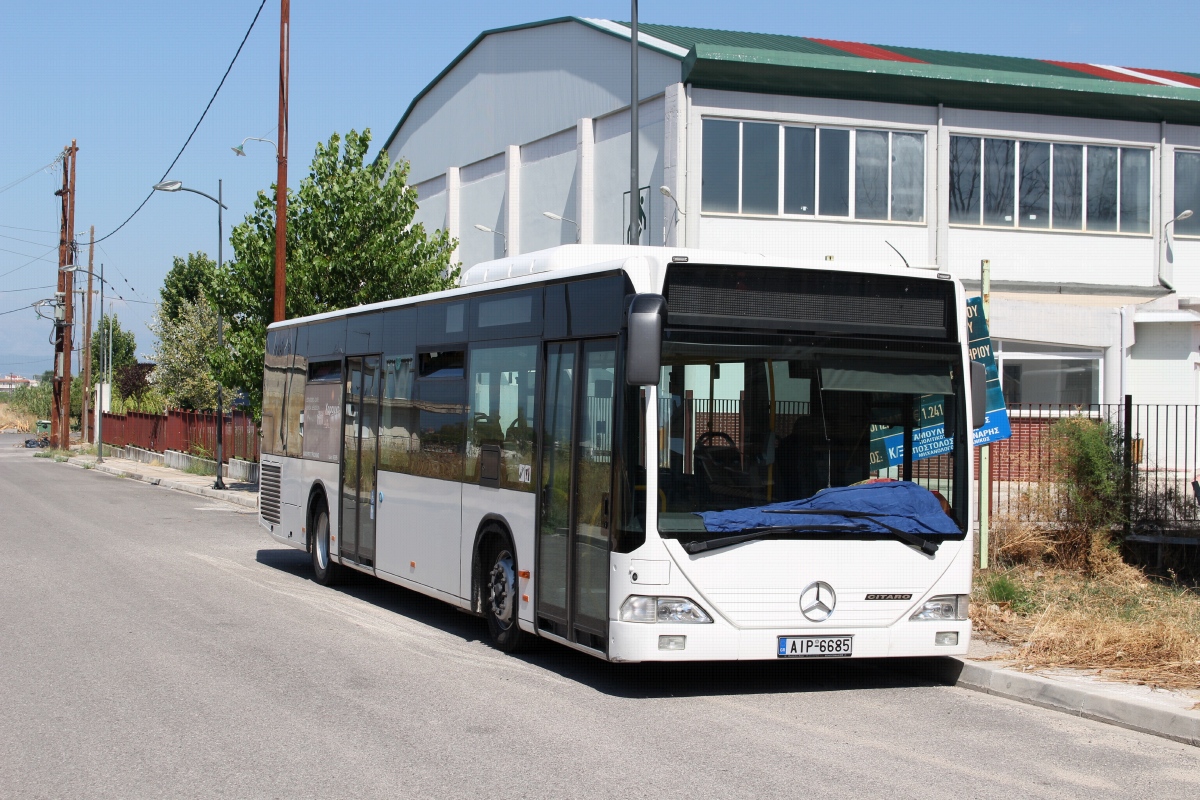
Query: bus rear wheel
x,y
500,592
325,572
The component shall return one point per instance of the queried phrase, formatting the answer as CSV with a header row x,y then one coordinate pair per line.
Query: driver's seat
x,y
719,472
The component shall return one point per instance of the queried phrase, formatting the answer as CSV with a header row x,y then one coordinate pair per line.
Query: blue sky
x,y
128,80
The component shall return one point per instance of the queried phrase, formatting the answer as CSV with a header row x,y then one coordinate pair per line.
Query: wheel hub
x,y
501,588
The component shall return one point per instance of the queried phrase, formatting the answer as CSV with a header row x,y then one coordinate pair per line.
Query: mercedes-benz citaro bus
x,y
647,454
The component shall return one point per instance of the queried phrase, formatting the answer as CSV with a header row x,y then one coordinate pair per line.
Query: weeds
x,y
200,468
1114,620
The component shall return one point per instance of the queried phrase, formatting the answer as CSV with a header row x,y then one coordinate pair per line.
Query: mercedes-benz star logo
x,y
817,601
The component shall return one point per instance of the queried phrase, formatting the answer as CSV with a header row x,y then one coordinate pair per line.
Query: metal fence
x,y
192,432
1158,453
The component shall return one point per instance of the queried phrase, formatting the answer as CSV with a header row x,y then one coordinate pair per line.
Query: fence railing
x,y
1159,458
192,432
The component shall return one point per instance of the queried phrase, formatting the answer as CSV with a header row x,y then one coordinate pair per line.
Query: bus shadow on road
x,y
645,680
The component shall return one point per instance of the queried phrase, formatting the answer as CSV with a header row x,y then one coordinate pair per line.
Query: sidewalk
x,y
1170,714
243,494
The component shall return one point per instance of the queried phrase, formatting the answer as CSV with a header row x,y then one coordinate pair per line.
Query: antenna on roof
x,y
902,258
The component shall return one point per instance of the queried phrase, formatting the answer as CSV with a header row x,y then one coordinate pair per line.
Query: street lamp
x,y
1166,243
177,186
561,218
240,150
486,229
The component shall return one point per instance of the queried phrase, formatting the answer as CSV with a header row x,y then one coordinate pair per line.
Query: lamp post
x,y
561,218
1166,244
240,150
177,186
486,229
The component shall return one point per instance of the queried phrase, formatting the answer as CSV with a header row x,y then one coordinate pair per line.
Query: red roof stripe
x,y
1190,80
866,50
1101,72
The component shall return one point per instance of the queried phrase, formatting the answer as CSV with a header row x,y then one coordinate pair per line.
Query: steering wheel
x,y
707,438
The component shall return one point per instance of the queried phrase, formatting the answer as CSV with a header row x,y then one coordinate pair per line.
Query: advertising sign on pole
x,y
929,438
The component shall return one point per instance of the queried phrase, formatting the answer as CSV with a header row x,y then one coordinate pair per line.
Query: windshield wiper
x,y
911,539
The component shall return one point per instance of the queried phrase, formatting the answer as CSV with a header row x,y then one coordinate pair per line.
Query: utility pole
x,y
985,451
285,19
635,194
60,415
85,429
103,383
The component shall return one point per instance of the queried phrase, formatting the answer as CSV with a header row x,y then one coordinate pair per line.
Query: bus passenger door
x,y
576,491
359,460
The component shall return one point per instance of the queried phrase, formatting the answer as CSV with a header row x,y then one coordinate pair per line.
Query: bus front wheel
x,y
325,572
500,595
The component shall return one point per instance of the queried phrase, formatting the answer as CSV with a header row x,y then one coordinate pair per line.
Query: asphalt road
x,y
156,644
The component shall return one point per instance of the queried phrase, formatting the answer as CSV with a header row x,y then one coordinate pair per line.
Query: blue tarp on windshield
x,y
903,505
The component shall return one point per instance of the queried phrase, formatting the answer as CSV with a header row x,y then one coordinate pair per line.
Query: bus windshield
x,y
746,420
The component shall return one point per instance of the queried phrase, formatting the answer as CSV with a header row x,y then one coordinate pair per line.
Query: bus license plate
x,y
815,646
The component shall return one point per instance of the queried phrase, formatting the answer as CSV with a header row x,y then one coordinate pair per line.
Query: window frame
x,y
1173,231
1083,180
817,127
1068,353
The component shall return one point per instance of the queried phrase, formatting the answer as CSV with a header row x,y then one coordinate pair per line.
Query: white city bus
x,y
643,453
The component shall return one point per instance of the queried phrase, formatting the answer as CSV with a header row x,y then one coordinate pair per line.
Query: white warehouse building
x,y
1073,180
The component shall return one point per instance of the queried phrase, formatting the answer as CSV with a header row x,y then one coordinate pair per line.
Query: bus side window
x,y
501,392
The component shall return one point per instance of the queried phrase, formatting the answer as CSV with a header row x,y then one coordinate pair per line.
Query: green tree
x,y
350,240
124,346
182,373
188,280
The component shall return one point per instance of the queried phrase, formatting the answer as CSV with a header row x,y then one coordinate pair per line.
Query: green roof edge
x,y
771,71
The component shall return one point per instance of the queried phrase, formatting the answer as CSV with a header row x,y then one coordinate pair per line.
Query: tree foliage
x,y
182,373
188,281
350,241
124,348
132,381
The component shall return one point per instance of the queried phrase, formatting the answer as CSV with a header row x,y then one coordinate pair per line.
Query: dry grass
x,y
1114,620
11,419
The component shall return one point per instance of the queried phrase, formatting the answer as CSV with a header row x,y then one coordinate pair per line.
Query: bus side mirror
x,y
644,350
978,394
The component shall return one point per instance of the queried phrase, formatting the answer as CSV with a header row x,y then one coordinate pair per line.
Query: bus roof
x,y
577,260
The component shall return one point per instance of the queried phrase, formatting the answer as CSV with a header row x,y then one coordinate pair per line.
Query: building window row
x,y
1007,183
770,169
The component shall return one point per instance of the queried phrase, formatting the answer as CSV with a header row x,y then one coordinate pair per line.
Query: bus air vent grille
x,y
268,493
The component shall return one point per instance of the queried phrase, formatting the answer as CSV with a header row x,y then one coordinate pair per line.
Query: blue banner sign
x,y
995,425
929,439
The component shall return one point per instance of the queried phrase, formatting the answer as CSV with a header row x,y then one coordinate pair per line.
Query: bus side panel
x,y
292,506
323,474
518,510
417,529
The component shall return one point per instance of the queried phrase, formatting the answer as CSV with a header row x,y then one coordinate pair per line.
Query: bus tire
x,y
325,571
499,591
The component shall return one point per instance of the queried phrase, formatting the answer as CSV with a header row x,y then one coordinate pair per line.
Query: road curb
x,y
1037,690
244,499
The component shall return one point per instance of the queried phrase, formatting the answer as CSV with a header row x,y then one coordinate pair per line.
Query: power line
x,y
32,230
26,241
15,310
193,133
42,257
28,289
42,168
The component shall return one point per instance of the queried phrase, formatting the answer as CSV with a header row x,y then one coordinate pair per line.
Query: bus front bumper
x,y
632,642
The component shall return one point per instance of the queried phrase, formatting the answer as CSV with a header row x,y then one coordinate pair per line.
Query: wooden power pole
x,y
60,417
87,342
285,19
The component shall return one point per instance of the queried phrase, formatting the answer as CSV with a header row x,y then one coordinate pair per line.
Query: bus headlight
x,y
944,607
638,608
